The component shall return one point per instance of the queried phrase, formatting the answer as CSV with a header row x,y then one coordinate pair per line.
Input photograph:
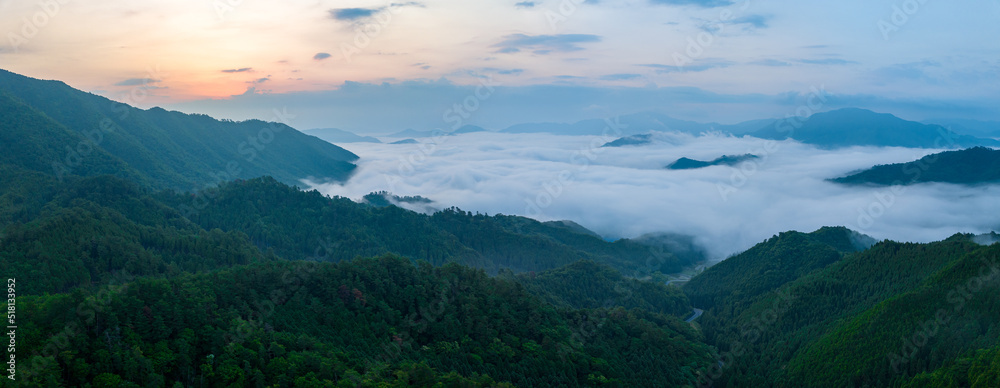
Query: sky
x,y
376,67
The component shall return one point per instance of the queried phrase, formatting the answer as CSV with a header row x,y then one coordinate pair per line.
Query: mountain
x,y
334,135
405,141
724,160
573,226
271,214
859,127
590,285
118,288
874,317
630,141
970,166
413,133
66,131
383,321
468,129
771,264
978,128
635,124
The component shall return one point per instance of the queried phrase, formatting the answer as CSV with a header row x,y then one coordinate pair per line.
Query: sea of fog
x,y
627,191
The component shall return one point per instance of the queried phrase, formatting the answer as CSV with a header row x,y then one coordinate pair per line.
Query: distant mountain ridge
x,y
334,135
860,127
636,124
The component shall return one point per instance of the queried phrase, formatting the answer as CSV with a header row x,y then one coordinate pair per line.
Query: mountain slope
x,y
741,279
384,321
860,127
300,224
851,314
969,166
172,149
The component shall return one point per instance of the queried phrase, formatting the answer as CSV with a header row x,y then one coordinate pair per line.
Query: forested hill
x,y
117,288
370,322
770,264
877,317
298,224
970,166
50,127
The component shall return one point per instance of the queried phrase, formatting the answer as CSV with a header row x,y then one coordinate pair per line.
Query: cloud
x,y
261,80
137,82
321,56
748,22
544,44
907,71
352,13
620,77
698,3
827,61
511,71
770,62
241,70
757,21
699,66
626,192
525,4
356,14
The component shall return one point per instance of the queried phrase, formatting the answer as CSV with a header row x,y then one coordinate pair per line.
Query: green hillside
x,y
85,134
970,166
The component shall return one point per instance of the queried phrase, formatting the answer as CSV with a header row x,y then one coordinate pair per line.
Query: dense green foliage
x,y
740,280
299,224
978,370
104,229
859,127
589,285
302,323
969,166
841,324
51,127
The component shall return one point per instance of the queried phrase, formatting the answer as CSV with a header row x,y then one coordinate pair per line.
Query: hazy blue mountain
x,y
334,135
988,129
724,160
860,127
410,132
634,124
405,141
468,129
969,166
630,141
746,127
166,149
